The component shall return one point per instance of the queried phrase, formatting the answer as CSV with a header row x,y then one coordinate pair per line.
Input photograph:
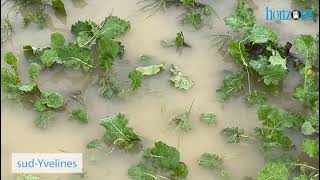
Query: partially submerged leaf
x,y
58,6
262,34
44,120
95,144
49,57
34,71
114,27
210,161
233,83
57,40
150,70
11,59
79,115
232,134
311,147
183,120
194,19
274,171
179,80
140,172
53,99
136,78
307,128
256,98
118,132
208,118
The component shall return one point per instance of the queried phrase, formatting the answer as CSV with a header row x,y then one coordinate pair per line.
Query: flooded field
x,y
150,108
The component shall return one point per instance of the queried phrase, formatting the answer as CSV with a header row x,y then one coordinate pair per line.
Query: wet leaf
x,y
11,59
95,144
53,99
34,71
140,172
44,120
307,128
233,83
194,19
210,161
262,34
232,134
179,80
208,118
79,115
118,132
114,27
150,70
57,40
311,147
273,171
136,79
49,57
58,6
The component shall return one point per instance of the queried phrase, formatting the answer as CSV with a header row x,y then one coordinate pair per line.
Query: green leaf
x,y
114,27
308,92
49,57
210,161
58,6
140,172
34,71
9,80
84,38
208,118
136,78
233,83
166,159
95,144
11,59
27,87
232,134
262,34
53,99
238,52
194,19
26,177
272,138
180,39
306,45
57,40
108,50
274,171
44,120
276,59
307,128
179,80
183,120
150,70
271,74
79,115
243,19
118,133
311,147
75,57
109,88
288,160
37,17
257,97
84,26
166,44
40,105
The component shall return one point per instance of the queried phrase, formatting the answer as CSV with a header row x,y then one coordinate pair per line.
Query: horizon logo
x,y
287,14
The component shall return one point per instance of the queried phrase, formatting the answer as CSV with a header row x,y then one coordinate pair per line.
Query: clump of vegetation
x,y
213,162
117,132
196,15
182,120
160,162
265,62
233,83
179,42
208,118
34,11
179,80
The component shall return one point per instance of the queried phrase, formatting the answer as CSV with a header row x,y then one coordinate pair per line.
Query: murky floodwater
x,y
150,108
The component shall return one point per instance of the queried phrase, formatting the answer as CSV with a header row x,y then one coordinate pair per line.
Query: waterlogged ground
x,y
150,109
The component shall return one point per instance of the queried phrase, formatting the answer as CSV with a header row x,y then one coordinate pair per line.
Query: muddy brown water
x,y
150,108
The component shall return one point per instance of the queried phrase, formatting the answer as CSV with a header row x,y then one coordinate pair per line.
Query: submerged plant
x,y
182,120
160,162
214,163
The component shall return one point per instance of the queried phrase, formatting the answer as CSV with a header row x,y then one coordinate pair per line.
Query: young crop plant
x,y
213,162
196,14
160,162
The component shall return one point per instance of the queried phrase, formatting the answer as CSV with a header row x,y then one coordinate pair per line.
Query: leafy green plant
x,y
182,120
79,115
274,171
136,78
208,118
179,80
117,132
233,83
34,11
214,163
178,42
311,147
160,162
